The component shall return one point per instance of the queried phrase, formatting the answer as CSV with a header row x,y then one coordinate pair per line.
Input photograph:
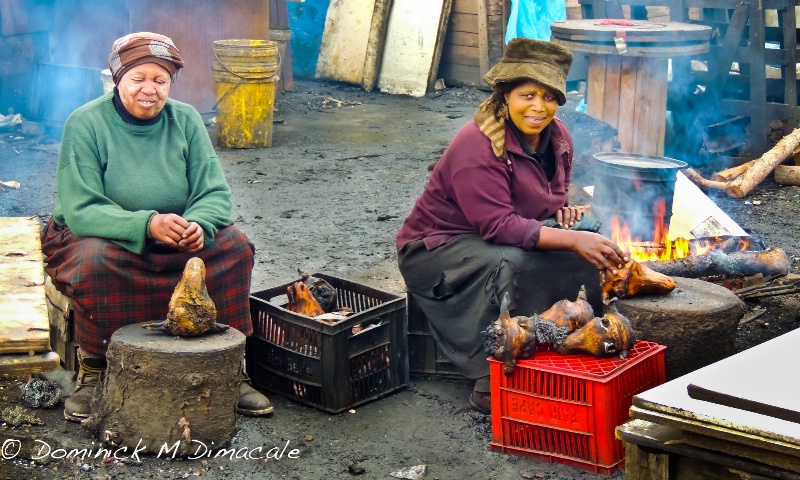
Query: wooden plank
x,y
743,451
496,8
465,6
461,55
441,34
375,44
626,127
414,42
345,37
595,95
463,22
657,121
464,39
24,325
733,107
21,364
611,104
455,74
758,86
483,37
666,51
658,438
643,137
788,20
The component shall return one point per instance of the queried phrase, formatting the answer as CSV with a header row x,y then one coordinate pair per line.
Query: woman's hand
x,y
192,238
599,251
567,216
176,232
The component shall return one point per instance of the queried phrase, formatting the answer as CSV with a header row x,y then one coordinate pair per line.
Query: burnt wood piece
x,y
700,393
769,262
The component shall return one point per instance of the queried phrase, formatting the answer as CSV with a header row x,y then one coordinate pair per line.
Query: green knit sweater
x,y
113,177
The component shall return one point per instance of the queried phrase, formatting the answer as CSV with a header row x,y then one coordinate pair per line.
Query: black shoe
x,y
481,402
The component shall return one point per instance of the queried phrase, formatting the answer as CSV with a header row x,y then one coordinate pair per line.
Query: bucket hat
x,y
543,62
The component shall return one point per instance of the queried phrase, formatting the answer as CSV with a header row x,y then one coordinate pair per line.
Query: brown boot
x,y
481,398
91,369
252,402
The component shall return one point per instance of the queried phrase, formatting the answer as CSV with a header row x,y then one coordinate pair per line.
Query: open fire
x,y
660,248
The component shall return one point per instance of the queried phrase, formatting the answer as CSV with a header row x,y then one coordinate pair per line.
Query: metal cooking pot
x,y
630,187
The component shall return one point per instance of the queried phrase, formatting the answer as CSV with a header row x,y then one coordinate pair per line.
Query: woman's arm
x,y
592,247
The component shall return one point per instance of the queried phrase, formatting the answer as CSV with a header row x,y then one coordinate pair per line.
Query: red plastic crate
x,y
565,408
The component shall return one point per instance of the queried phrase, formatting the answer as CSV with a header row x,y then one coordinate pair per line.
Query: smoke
x,y
58,50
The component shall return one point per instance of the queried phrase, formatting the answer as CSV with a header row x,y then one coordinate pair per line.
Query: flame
x,y
660,248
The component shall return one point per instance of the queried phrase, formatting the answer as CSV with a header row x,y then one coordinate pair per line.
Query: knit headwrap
x,y
144,47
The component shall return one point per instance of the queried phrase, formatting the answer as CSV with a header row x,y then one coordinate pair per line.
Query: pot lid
x,y
633,161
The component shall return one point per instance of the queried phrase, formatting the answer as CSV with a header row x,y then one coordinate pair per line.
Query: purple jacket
x,y
472,191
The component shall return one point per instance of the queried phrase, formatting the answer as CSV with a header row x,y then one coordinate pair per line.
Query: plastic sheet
x,y
532,18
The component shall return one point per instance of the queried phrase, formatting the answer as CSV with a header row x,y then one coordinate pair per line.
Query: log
x,y
756,171
167,390
787,175
698,180
769,262
731,173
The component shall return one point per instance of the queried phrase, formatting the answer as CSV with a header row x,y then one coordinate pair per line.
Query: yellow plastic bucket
x,y
245,75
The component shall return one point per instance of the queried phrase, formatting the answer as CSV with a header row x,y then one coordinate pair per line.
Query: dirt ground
x,y
329,195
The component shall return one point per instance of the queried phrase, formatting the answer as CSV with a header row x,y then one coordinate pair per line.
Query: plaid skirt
x,y
111,287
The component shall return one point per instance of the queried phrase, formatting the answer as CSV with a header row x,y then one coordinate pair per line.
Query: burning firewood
x,y
769,262
632,279
739,181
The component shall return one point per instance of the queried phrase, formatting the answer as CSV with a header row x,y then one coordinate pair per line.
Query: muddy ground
x,y
328,197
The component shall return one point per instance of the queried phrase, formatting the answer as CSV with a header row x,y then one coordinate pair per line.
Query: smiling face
x,y
144,90
531,107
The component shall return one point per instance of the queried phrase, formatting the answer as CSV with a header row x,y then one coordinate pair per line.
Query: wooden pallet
x,y
24,325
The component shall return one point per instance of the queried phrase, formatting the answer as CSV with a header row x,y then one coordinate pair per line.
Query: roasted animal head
x,y
302,301
323,292
632,279
509,338
570,315
604,336
191,311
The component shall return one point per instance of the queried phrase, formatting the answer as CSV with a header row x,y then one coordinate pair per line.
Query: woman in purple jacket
x,y
494,216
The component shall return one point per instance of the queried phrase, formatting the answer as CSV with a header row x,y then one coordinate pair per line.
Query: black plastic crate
x,y
327,366
425,358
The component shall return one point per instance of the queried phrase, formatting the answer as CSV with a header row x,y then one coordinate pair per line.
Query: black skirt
x,y
458,286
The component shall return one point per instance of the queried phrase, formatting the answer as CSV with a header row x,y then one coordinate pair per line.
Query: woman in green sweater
x,y
140,192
